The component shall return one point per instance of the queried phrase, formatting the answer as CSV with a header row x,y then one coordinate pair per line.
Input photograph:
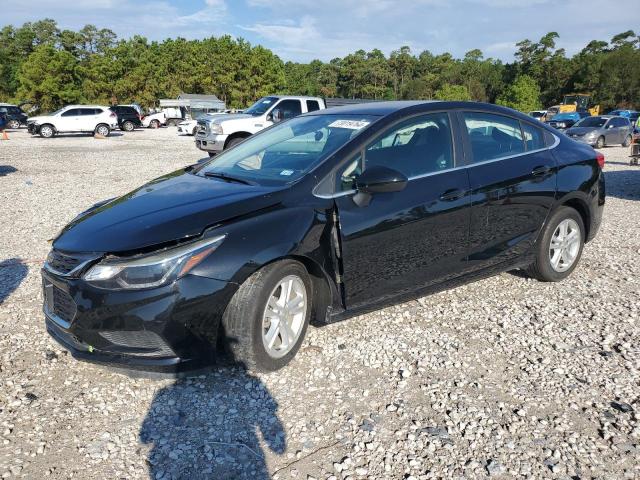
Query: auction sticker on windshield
x,y
350,124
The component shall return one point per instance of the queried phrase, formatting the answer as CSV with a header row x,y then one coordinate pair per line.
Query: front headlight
x,y
216,128
151,270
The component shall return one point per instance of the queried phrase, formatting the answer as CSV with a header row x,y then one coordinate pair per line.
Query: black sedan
x,y
316,219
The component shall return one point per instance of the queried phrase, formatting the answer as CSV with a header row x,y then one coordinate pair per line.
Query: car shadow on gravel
x,y
6,170
624,184
12,272
209,427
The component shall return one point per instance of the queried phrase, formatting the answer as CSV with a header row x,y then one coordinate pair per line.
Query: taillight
x,y
600,159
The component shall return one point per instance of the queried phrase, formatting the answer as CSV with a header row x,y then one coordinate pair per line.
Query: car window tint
x,y
493,136
290,108
533,137
87,111
414,147
73,112
312,105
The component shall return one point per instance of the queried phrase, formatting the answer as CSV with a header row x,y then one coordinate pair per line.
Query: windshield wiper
x,y
227,178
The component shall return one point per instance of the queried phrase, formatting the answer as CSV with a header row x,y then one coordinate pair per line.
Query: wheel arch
x,y
235,135
582,207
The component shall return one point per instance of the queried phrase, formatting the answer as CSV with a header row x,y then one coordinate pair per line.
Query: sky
x,y
302,30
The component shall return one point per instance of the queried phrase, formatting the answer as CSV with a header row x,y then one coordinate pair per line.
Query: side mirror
x,y
275,116
378,179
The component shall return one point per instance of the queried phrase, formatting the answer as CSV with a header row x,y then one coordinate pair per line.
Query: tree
x,y
523,95
453,92
49,77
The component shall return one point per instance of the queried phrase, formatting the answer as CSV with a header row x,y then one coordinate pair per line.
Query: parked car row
x,y
14,115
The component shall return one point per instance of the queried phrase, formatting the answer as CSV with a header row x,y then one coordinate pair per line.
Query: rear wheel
x,y
128,126
267,318
560,246
154,124
600,142
102,129
627,141
47,131
13,124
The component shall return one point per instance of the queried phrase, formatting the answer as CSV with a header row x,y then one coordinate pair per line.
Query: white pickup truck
x,y
217,133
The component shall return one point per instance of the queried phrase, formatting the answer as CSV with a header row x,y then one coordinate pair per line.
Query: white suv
x,y
94,119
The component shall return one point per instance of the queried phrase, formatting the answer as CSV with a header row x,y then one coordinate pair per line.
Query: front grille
x,y
137,342
65,263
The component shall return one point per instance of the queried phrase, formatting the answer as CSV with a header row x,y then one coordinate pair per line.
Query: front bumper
x,y
33,128
584,139
167,329
212,143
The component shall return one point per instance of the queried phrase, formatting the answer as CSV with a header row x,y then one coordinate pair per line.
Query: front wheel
x,y
47,131
559,247
627,141
267,318
102,130
600,142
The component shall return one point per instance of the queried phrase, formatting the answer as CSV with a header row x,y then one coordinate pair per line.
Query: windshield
x,y
284,153
591,122
261,106
57,112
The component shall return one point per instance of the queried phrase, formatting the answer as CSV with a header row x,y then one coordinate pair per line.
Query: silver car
x,y
602,130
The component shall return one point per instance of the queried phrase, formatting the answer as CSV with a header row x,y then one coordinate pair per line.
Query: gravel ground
x,y
502,378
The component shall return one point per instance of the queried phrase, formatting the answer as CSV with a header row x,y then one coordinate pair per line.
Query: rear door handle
x,y
452,194
538,171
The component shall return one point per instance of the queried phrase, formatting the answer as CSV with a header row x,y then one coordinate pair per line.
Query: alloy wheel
x,y
102,130
284,316
14,124
565,245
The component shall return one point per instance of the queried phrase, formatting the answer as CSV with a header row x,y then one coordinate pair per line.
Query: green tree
x,y
453,93
50,78
523,95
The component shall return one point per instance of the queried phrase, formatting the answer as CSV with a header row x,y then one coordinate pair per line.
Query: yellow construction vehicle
x,y
578,101
572,103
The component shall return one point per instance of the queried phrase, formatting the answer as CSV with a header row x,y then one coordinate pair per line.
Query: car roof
x,y
384,108
85,106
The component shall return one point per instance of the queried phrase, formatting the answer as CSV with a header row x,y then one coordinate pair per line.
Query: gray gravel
x,y
502,378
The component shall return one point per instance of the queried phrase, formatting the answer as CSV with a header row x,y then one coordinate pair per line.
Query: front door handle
x,y
452,194
539,171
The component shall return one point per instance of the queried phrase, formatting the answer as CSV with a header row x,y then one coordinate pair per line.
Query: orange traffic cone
x,y
4,135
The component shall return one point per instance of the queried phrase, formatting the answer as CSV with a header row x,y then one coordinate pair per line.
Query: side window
x,y
88,111
493,136
312,105
290,108
533,137
414,147
73,112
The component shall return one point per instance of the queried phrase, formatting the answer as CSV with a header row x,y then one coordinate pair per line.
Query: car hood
x,y
170,208
37,119
230,116
581,130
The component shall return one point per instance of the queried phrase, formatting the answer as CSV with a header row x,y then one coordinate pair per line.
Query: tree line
x,y
41,63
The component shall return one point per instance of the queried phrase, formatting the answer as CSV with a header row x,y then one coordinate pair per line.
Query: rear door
x,y
404,240
89,119
612,131
512,177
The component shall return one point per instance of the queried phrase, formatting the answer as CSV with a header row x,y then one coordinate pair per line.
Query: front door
x,y
512,175
405,240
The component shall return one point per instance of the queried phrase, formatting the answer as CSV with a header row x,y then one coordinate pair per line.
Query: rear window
x,y
493,136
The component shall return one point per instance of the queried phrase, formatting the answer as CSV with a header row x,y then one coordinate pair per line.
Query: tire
x,y
102,129
13,124
543,267
128,126
246,330
600,142
233,142
172,123
154,124
194,131
211,154
627,141
47,131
